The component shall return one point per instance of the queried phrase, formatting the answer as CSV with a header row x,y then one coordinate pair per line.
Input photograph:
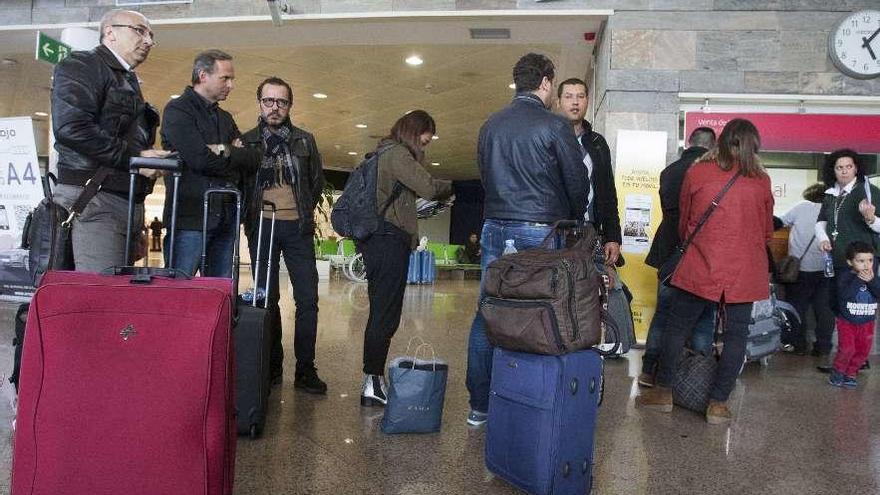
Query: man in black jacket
x,y
666,240
602,201
287,172
533,174
205,136
100,121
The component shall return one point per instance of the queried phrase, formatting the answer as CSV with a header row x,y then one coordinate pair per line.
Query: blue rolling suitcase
x,y
413,272
542,419
428,270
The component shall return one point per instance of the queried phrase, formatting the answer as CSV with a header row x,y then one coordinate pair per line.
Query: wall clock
x,y
854,44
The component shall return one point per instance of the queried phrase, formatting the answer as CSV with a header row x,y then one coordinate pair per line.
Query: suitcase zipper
x,y
518,303
571,300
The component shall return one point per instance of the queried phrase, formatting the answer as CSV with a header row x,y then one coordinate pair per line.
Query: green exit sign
x,y
51,50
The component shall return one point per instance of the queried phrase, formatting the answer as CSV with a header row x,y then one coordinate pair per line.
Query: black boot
x,y
306,379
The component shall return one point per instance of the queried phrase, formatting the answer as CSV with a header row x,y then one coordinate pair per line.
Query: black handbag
x,y
47,234
667,269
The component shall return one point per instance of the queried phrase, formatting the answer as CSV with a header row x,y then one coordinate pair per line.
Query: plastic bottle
x,y
508,247
829,265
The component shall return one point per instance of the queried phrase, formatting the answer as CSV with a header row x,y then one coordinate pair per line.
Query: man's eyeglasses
x,y
141,31
270,102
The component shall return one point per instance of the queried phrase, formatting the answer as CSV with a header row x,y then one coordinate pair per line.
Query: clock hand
x,y
870,51
866,42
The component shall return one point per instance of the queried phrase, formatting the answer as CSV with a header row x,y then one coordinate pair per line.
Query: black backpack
x,y
355,214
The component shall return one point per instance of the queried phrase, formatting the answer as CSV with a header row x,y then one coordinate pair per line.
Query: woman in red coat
x,y
726,261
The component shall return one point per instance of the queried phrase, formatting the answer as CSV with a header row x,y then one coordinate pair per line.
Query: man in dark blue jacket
x,y
533,173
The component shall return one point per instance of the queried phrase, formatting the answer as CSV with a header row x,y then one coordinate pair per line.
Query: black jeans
x,y
685,309
298,249
812,289
386,256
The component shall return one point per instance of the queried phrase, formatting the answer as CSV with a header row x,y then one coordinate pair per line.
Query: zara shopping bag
x,y
416,392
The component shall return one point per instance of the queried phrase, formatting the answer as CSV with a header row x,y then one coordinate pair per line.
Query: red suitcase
x,y
126,387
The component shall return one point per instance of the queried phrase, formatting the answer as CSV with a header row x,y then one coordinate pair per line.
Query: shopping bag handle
x,y
433,355
409,344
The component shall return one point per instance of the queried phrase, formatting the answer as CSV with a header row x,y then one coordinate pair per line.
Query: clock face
x,y
854,44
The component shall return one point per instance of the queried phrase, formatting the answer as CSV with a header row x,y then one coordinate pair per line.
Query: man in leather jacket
x,y
284,168
602,203
533,174
100,121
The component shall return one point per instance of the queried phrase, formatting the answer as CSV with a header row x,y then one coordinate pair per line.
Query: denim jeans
x,y
525,235
701,337
684,311
222,230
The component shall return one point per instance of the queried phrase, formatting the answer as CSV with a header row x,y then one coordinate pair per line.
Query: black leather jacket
x,y
99,120
307,166
531,164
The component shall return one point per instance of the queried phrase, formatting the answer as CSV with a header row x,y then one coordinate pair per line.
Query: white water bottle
x,y
508,247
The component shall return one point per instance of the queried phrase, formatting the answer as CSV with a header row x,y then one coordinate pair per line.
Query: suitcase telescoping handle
x,y
267,206
235,255
172,165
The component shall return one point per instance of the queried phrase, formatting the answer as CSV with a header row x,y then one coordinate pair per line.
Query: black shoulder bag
x,y
671,264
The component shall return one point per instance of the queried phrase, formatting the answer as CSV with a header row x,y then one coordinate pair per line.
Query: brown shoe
x,y
646,380
717,413
656,399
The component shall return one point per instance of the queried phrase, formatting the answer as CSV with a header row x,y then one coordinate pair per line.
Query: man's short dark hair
x,y
274,81
704,137
858,247
530,70
571,81
205,62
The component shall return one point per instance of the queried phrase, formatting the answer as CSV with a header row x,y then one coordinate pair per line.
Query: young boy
x,y
857,292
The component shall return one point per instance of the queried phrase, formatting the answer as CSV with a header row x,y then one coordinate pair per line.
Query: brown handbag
x,y
545,301
788,268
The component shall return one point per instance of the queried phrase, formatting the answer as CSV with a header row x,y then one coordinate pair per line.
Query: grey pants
x,y
99,233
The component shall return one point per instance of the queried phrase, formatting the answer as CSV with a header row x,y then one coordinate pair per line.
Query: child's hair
x,y
858,247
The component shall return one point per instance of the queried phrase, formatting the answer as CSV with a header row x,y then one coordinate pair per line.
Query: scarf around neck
x,y
277,164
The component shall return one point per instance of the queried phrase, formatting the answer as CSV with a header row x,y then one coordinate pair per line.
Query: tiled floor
x,y
792,433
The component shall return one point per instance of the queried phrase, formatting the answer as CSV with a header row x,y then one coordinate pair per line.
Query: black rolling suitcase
x,y
253,346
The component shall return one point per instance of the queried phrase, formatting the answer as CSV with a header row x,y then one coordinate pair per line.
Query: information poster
x,y
20,191
640,157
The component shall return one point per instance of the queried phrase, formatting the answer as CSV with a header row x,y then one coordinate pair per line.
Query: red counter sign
x,y
815,133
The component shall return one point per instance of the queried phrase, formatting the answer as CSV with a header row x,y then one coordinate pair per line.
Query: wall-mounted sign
x,y
800,132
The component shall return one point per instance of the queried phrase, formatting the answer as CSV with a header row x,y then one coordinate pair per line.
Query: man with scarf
x,y
289,175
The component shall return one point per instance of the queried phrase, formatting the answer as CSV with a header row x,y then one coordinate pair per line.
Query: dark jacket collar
x,y
108,58
256,134
694,151
190,93
528,98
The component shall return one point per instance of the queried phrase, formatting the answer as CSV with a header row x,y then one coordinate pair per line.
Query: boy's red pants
x,y
854,342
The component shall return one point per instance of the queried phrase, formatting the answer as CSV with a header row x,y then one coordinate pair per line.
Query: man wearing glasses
x,y
205,136
286,170
100,121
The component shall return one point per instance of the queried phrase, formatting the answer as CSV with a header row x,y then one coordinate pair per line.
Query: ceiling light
x,y
174,97
414,60
352,153
361,126
435,137
512,85
9,61
41,114
320,96
436,164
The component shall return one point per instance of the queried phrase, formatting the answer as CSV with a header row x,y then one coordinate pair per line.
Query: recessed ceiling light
x,y
435,137
41,114
511,86
361,126
174,97
414,60
320,96
9,61
436,164
352,153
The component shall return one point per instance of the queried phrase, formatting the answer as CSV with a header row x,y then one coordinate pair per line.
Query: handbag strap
x,y
90,190
807,250
709,211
